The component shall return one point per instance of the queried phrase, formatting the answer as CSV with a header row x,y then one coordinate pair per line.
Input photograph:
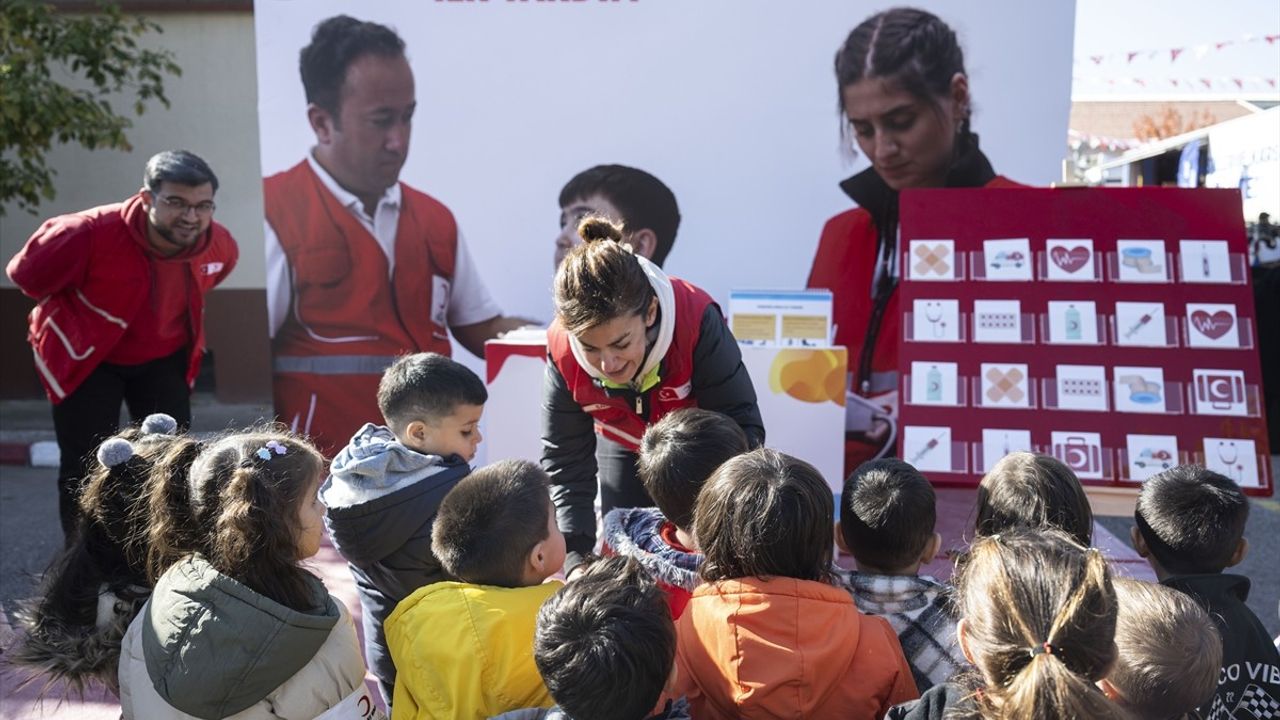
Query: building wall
x,y
213,113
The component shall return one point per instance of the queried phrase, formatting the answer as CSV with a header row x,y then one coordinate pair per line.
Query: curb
x,y
15,453
41,453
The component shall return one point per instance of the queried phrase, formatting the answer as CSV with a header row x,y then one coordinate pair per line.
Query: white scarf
x,y
661,285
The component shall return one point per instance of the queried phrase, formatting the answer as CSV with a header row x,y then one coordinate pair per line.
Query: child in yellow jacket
x,y
464,649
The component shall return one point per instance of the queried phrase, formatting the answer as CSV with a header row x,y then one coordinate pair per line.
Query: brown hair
x,y
679,452
599,280
765,514
1169,652
238,507
1039,619
1026,490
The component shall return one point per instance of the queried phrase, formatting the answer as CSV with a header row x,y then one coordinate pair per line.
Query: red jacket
x,y
90,274
614,414
347,322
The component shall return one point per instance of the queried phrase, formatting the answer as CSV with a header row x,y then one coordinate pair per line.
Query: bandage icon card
x,y
931,259
1004,385
1139,389
1141,261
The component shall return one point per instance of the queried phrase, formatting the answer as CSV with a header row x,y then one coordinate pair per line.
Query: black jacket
x,y
1250,678
720,383
935,704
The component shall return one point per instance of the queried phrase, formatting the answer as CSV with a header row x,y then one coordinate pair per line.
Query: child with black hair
x,y
236,626
1168,653
769,634
95,587
887,516
385,487
1029,490
1038,621
605,646
462,646
677,455
1189,524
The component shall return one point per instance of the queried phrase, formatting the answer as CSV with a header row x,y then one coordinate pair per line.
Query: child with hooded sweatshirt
x,y
769,634
385,487
236,627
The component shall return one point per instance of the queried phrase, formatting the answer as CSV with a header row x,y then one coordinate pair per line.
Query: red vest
x,y
616,417
347,322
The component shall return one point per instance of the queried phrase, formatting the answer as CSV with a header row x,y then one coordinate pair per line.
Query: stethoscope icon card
x,y
1233,457
935,320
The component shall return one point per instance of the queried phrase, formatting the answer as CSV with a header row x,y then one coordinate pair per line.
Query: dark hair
x,y
765,514
239,510
906,47
1029,490
1169,653
104,559
605,642
177,166
679,452
426,387
600,280
643,200
336,43
887,514
490,521
1040,618
1191,518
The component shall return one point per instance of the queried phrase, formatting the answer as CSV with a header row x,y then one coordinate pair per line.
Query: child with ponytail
x,y
93,590
236,627
1038,622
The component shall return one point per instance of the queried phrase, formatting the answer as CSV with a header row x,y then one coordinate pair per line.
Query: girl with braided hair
x,y
903,97
236,627
1038,622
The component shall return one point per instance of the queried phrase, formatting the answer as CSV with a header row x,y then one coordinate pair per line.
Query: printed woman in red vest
x,y
903,90
628,345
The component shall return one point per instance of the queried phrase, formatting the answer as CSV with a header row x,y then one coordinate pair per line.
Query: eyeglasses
x,y
177,205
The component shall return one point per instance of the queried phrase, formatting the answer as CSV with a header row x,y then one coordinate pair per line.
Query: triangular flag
x,y
1173,81
1239,83
1224,43
1207,82
1272,38
1140,81
1271,82
1097,59
1174,53
1132,54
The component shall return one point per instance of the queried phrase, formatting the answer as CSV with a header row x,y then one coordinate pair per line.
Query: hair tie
x,y
1041,649
159,424
114,451
265,451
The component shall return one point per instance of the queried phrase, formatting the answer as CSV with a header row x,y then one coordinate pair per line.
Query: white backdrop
x,y
732,103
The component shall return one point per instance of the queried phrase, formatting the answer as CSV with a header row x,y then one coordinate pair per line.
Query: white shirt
x,y
469,299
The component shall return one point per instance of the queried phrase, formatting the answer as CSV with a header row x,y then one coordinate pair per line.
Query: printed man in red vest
x,y
360,267
121,308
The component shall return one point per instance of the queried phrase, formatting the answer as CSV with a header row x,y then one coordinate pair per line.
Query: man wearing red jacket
x,y
120,317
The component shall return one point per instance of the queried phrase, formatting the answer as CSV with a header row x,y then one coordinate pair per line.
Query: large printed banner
x,y
1111,328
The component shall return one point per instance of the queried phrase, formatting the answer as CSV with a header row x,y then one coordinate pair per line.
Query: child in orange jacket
x,y
768,634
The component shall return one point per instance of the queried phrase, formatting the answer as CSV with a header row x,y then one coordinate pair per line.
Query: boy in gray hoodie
x,y
386,485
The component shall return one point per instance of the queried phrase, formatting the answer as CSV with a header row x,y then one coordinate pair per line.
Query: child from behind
x,y
605,646
385,486
463,646
1169,653
887,516
1038,621
769,634
1189,524
1027,490
677,455
236,626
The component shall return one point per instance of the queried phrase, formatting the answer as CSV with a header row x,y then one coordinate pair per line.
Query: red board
x,y
1118,401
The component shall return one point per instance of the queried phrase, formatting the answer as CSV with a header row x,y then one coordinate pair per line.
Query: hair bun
x,y
159,424
594,228
114,451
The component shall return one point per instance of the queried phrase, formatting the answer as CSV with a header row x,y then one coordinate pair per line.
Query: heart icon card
x,y
1141,261
1212,325
934,383
1073,322
997,443
1069,260
1204,261
1235,458
1007,259
1139,389
931,259
1150,454
1004,385
935,320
